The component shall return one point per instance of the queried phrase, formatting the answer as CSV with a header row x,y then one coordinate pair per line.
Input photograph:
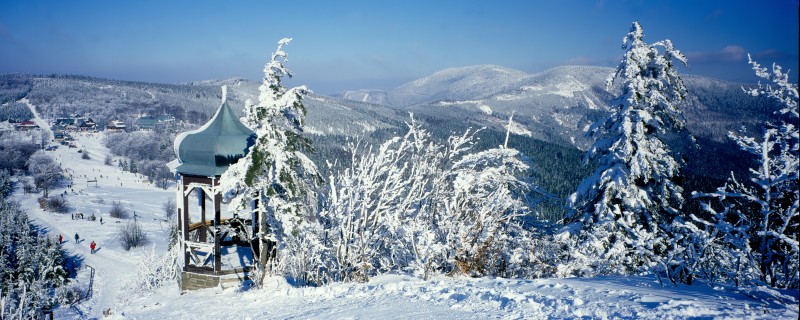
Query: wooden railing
x,y
88,294
198,259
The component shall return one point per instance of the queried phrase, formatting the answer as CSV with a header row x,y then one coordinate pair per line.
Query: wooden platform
x,y
197,281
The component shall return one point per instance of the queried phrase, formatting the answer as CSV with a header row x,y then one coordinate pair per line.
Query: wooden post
x,y
217,208
202,196
178,211
217,200
217,251
254,217
179,219
185,224
263,248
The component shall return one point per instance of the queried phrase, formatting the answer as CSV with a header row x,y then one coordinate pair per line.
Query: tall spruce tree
x,y
275,175
619,209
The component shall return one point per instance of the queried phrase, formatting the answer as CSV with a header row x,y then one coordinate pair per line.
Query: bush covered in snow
x,y
131,235
412,205
57,204
118,211
428,208
156,270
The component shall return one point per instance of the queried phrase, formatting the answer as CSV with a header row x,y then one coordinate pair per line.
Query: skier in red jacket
x,y
92,246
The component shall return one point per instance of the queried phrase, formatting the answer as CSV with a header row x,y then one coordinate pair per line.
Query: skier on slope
x,y
76,237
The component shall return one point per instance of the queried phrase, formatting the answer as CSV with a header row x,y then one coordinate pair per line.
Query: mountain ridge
x,y
556,105
560,103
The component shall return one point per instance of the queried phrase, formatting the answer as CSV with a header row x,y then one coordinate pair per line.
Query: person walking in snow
x,y
76,237
92,246
60,238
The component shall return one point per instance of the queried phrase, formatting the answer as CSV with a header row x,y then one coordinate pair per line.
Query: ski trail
x,y
36,118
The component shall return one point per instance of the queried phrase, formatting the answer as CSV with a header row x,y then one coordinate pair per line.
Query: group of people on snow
x,y
92,246
80,216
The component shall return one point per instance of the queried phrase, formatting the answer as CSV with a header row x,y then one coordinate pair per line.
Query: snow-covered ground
x,y
389,296
395,296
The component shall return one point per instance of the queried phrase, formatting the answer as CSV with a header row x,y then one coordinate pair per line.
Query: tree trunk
x,y
263,245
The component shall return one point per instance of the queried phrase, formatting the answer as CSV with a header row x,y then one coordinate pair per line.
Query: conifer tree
x,y
31,265
275,175
620,206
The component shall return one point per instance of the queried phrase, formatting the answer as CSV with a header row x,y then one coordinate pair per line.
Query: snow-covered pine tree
x,y
620,207
31,266
5,183
767,207
275,174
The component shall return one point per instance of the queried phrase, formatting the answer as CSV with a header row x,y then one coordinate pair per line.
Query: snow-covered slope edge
x,y
397,296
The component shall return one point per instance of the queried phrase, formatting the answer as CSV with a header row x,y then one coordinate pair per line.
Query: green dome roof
x,y
209,150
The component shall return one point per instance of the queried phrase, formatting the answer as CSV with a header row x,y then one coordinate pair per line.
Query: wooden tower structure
x,y
203,155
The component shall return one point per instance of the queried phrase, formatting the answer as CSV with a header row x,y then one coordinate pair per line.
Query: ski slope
x,y
112,263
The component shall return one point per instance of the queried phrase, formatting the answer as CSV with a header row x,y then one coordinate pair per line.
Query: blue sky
x,y
343,45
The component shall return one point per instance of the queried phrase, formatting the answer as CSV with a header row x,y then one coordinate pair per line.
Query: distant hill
x,y
554,110
560,104
365,95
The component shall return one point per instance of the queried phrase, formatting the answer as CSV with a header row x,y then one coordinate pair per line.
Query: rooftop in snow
x,y
209,150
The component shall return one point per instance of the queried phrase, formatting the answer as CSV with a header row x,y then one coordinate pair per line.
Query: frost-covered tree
x,y
45,171
275,174
486,200
766,207
413,204
15,151
619,208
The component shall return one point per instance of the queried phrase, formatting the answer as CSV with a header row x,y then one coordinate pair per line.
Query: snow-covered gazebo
x,y
203,155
